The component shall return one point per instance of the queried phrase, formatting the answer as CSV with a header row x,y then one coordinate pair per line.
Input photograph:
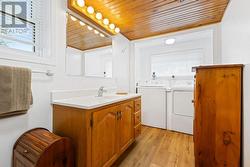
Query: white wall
x,y
143,59
235,38
40,115
203,38
121,51
235,33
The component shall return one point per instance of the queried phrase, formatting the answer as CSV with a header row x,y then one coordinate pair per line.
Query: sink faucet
x,y
101,91
154,76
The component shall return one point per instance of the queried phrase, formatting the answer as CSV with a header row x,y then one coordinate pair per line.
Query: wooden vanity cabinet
x,y
100,135
218,114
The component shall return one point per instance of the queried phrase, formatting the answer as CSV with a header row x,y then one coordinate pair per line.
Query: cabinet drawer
x,y
137,105
21,161
137,118
137,130
28,153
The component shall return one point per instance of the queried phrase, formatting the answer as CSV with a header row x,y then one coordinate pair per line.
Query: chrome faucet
x,y
101,91
154,76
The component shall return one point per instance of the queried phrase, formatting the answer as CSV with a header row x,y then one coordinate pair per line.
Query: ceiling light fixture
x,y
106,21
81,3
90,10
117,30
112,26
170,41
98,16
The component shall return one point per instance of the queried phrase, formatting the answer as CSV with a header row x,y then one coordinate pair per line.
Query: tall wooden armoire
x,y
218,116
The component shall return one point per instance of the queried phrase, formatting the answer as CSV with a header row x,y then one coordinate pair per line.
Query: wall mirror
x,y
99,63
89,50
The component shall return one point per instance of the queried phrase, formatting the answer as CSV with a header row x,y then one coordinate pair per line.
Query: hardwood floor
x,y
159,148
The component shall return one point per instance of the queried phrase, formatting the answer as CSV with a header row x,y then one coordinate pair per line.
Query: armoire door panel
x,y
217,129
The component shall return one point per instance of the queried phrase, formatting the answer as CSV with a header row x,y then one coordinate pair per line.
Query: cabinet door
x,y
126,125
218,117
104,137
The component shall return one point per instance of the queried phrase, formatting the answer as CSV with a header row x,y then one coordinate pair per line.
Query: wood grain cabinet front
x,y
218,114
99,135
40,148
104,136
137,118
126,126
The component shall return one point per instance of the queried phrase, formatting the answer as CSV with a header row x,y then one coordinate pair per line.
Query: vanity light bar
x,y
97,17
90,28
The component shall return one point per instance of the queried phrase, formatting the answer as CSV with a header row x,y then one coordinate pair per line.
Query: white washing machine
x,y
154,106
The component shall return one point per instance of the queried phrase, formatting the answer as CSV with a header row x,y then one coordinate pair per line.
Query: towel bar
x,y
48,72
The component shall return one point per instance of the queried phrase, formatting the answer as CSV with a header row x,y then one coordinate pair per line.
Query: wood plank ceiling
x,y
79,37
144,18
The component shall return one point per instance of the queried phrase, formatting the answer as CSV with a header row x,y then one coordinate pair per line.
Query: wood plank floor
x,y
159,148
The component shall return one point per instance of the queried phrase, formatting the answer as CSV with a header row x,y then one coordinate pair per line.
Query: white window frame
x,y
177,52
29,57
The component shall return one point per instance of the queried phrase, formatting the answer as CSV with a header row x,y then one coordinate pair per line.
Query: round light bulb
x,y
102,35
106,21
112,26
73,18
98,16
117,30
90,28
81,3
82,23
90,10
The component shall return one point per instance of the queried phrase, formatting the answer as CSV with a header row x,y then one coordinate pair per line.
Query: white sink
x,y
106,97
91,102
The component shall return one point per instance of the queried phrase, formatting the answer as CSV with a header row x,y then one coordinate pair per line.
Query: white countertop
x,y
92,102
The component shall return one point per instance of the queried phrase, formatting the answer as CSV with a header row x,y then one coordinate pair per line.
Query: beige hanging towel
x,y
15,91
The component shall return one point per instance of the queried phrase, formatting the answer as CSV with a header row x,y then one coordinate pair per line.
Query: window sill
x,y
23,56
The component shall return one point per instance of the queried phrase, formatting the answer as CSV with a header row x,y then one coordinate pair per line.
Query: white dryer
x,y
180,109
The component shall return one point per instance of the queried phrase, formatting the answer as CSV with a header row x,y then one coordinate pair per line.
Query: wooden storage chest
x,y
41,148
